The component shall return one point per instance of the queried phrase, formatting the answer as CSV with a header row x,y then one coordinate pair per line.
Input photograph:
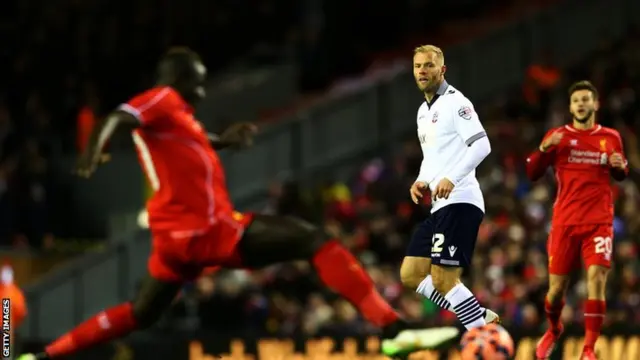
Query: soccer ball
x,y
489,342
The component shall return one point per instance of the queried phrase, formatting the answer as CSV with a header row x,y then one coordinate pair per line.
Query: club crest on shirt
x,y
603,145
435,117
465,112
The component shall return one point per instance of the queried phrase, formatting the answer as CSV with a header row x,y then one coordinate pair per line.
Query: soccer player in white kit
x,y
453,143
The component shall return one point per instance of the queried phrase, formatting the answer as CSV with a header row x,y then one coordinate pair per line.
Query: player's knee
x,y
410,281
445,278
413,270
597,275
558,285
146,316
307,239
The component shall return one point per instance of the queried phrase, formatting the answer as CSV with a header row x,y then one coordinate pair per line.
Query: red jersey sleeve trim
x,y
131,110
139,111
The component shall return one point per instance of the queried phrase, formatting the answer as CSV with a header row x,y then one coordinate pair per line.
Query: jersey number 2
x,y
436,243
604,245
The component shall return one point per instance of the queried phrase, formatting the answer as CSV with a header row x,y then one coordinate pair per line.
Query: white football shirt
x,y
446,128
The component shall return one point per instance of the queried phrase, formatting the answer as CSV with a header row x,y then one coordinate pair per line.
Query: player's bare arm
x,y
237,136
93,154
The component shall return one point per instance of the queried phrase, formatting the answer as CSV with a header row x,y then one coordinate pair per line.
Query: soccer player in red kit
x,y
584,156
191,218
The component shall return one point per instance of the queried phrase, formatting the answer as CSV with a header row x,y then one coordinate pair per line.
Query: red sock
x,y
341,272
594,311
553,312
107,325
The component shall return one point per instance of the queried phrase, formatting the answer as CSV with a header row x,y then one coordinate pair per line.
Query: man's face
x,y
428,70
194,81
582,105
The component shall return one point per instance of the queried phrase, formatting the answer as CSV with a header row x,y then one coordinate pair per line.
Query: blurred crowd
x,y
75,60
372,214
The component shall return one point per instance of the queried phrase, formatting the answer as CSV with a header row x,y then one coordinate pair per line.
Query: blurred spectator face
x,y
316,301
530,316
626,250
345,311
205,286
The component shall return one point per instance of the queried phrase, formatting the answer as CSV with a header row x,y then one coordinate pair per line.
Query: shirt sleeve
x,y
538,161
619,174
422,175
150,107
467,123
476,152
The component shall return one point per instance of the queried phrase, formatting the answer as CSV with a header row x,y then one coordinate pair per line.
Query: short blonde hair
x,y
430,48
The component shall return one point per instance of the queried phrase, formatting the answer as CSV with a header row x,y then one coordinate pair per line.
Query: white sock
x,y
426,288
466,307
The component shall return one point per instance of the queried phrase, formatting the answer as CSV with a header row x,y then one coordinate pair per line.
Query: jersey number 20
x,y
436,243
604,245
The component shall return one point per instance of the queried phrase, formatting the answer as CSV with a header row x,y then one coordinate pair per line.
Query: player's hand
x,y
443,189
553,140
616,161
87,164
239,135
417,190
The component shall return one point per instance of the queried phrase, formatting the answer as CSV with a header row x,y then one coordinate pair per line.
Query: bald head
x,y
182,69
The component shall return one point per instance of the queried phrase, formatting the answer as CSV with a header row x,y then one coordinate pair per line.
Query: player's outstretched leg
x,y
594,308
153,298
553,305
274,239
415,271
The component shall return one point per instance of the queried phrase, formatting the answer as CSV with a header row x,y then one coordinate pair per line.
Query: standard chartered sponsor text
x,y
584,157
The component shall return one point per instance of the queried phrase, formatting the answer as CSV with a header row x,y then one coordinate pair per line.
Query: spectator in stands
x,y
540,81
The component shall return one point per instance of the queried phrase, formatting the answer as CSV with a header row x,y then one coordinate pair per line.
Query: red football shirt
x,y
181,166
583,174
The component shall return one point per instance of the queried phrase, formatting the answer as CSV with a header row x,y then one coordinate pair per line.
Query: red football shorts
x,y
567,244
182,256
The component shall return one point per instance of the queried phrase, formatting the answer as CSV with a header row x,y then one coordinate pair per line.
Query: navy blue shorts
x,y
448,236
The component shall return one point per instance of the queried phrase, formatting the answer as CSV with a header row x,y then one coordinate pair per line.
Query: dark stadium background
x,y
329,82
